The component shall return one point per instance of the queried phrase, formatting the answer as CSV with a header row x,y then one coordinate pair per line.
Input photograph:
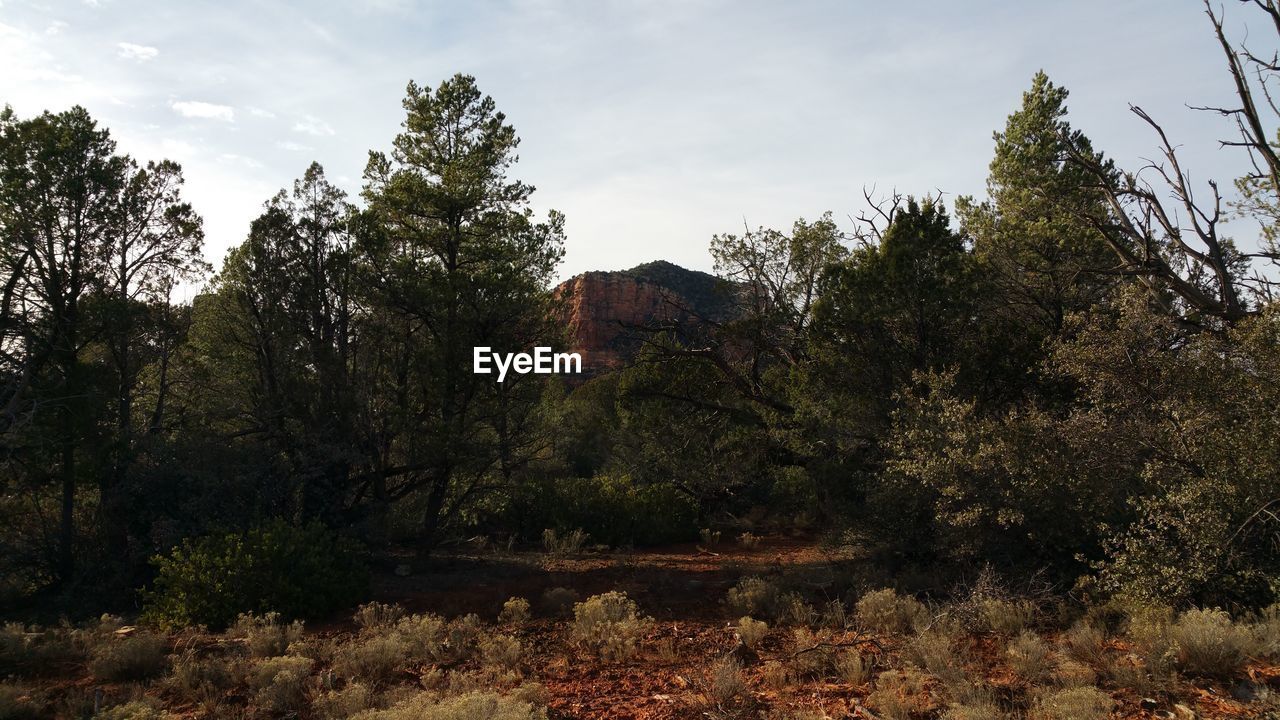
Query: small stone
x,y
1182,712
1147,704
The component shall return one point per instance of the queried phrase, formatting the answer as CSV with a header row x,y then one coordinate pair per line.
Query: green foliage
x,y
612,509
295,571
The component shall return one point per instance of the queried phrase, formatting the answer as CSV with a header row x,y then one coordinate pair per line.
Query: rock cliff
x,y
605,312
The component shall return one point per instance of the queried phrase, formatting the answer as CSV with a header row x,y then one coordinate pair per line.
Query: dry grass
x,y
610,625
727,693
376,615
751,631
471,706
515,611
1208,643
341,704
140,656
501,652
887,611
16,703
134,710
1004,617
853,667
1078,703
266,635
1086,644
560,545
279,683
375,658
775,675
1030,657
900,694
754,596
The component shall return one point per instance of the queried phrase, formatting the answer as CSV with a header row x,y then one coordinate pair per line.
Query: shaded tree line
x,y
1075,374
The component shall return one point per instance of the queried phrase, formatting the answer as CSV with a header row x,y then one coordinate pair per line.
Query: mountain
x,y
604,311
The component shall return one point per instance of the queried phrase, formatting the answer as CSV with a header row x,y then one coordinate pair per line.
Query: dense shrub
x,y
295,571
611,509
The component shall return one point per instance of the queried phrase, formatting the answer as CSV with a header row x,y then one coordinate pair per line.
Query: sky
x,y
652,124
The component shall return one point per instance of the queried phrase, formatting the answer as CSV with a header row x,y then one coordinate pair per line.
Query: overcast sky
x,y
652,124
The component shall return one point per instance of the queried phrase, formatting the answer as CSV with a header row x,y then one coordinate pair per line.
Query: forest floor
x,y
671,676
683,588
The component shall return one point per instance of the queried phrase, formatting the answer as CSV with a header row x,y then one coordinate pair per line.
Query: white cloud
x,y
259,112
55,27
292,146
312,125
132,51
196,109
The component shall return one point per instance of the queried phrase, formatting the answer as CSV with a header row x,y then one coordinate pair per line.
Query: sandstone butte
x,y
606,311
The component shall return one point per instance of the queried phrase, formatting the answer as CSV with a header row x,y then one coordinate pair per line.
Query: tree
x,y
1043,261
60,184
1176,249
282,328
456,261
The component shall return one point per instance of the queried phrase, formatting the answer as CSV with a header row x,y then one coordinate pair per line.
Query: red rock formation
x,y
602,310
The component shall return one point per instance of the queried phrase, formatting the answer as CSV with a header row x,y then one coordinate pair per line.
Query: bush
x,y
374,659
1029,657
266,635
296,571
15,705
280,682
471,706
751,632
515,611
140,656
1086,644
134,710
754,596
198,679
887,611
609,624
35,653
1004,617
1077,703
568,544
900,694
500,651
727,692
1208,643
853,667
558,601
375,615
342,704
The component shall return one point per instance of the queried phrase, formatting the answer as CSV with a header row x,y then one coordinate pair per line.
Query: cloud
x,y
259,112
292,146
312,125
55,28
196,109
141,53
